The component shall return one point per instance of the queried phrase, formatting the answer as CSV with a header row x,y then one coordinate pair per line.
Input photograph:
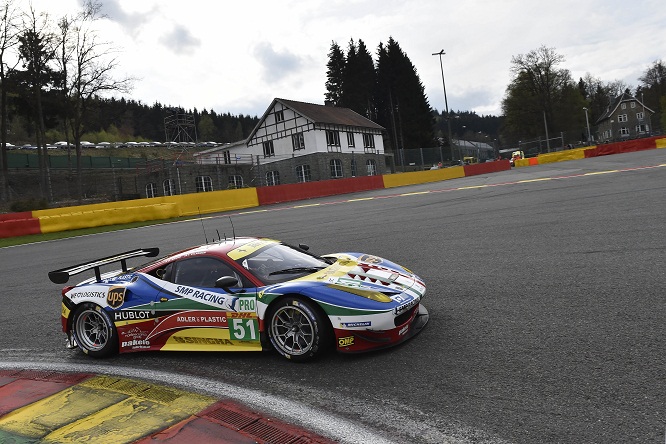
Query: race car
x,y
242,294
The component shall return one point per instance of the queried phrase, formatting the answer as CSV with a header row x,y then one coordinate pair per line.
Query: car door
x,y
207,317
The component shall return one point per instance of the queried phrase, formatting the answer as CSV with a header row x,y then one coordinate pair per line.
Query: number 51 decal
x,y
243,329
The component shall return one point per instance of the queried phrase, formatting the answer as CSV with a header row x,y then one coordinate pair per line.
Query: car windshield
x,y
279,263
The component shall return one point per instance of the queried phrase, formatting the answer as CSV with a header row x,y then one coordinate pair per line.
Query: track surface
x,y
545,289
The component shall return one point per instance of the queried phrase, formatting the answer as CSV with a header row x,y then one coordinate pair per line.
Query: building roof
x,y
328,114
615,104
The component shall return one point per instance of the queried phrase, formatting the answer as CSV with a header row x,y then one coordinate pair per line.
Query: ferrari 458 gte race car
x,y
242,294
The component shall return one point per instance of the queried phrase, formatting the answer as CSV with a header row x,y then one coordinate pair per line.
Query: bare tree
x,y
37,51
89,64
9,30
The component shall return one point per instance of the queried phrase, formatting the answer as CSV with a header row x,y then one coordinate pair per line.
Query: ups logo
x,y
116,297
346,342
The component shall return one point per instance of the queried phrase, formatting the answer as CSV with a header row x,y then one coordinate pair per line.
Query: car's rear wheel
x,y
94,331
297,329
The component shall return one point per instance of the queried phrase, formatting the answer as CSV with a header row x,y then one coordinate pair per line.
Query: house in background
x,y
303,142
625,118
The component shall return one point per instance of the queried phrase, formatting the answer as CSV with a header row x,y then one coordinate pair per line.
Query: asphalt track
x,y
545,289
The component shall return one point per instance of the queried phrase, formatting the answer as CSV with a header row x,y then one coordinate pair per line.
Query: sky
x,y
237,56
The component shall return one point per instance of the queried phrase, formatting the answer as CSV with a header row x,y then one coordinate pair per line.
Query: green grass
x,y
21,240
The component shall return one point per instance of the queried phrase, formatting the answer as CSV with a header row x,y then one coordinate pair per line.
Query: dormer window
x,y
279,116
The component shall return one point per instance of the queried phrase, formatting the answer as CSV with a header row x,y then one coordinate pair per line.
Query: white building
x,y
289,128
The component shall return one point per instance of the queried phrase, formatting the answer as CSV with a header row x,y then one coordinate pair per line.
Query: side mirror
x,y
226,282
303,247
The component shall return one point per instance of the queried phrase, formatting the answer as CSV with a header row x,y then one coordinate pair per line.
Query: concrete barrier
x,y
18,224
215,201
299,191
417,177
97,215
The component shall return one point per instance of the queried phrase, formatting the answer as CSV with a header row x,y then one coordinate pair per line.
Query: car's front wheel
x,y
94,331
297,329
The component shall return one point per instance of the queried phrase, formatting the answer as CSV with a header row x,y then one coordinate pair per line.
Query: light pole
x,y
589,135
446,103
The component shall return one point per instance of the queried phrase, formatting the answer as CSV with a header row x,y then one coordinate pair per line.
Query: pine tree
x,y
359,80
402,106
335,74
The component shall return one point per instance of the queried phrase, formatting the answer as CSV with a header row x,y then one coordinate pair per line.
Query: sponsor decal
x,y
164,299
246,304
115,297
403,330
213,298
355,324
346,341
87,295
245,315
403,308
136,343
187,319
210,341
370,259
134,333
132,315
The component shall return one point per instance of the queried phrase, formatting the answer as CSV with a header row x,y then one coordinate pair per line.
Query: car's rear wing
x,y
62,276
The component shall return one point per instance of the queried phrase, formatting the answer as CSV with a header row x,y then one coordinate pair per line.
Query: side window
x,y
199,272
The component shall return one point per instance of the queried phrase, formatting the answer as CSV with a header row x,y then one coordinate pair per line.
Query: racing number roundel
x,y
115,297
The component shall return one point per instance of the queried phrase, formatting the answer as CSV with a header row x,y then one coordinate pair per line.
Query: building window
x,y
641,128
371,167
272,178
279,116
235,181
639,115
368,143
353,167
633,104
298,141
227,157
623,106
168,186
622,118
336,168
303,173
624,131
150,189
350,140
333,140
203,183
269,151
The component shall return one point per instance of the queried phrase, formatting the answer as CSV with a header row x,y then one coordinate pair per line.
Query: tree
x,y
653,89
9,32
36,50
358,83
401,104
334,74
541,94
88,71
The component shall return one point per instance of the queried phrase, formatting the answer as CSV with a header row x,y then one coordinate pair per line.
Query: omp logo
x,y
346,341
115,297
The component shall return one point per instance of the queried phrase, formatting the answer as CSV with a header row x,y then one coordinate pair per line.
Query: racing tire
x,y
298,330
93,331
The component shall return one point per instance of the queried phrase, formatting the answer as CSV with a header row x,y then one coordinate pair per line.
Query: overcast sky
x,y
236,56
